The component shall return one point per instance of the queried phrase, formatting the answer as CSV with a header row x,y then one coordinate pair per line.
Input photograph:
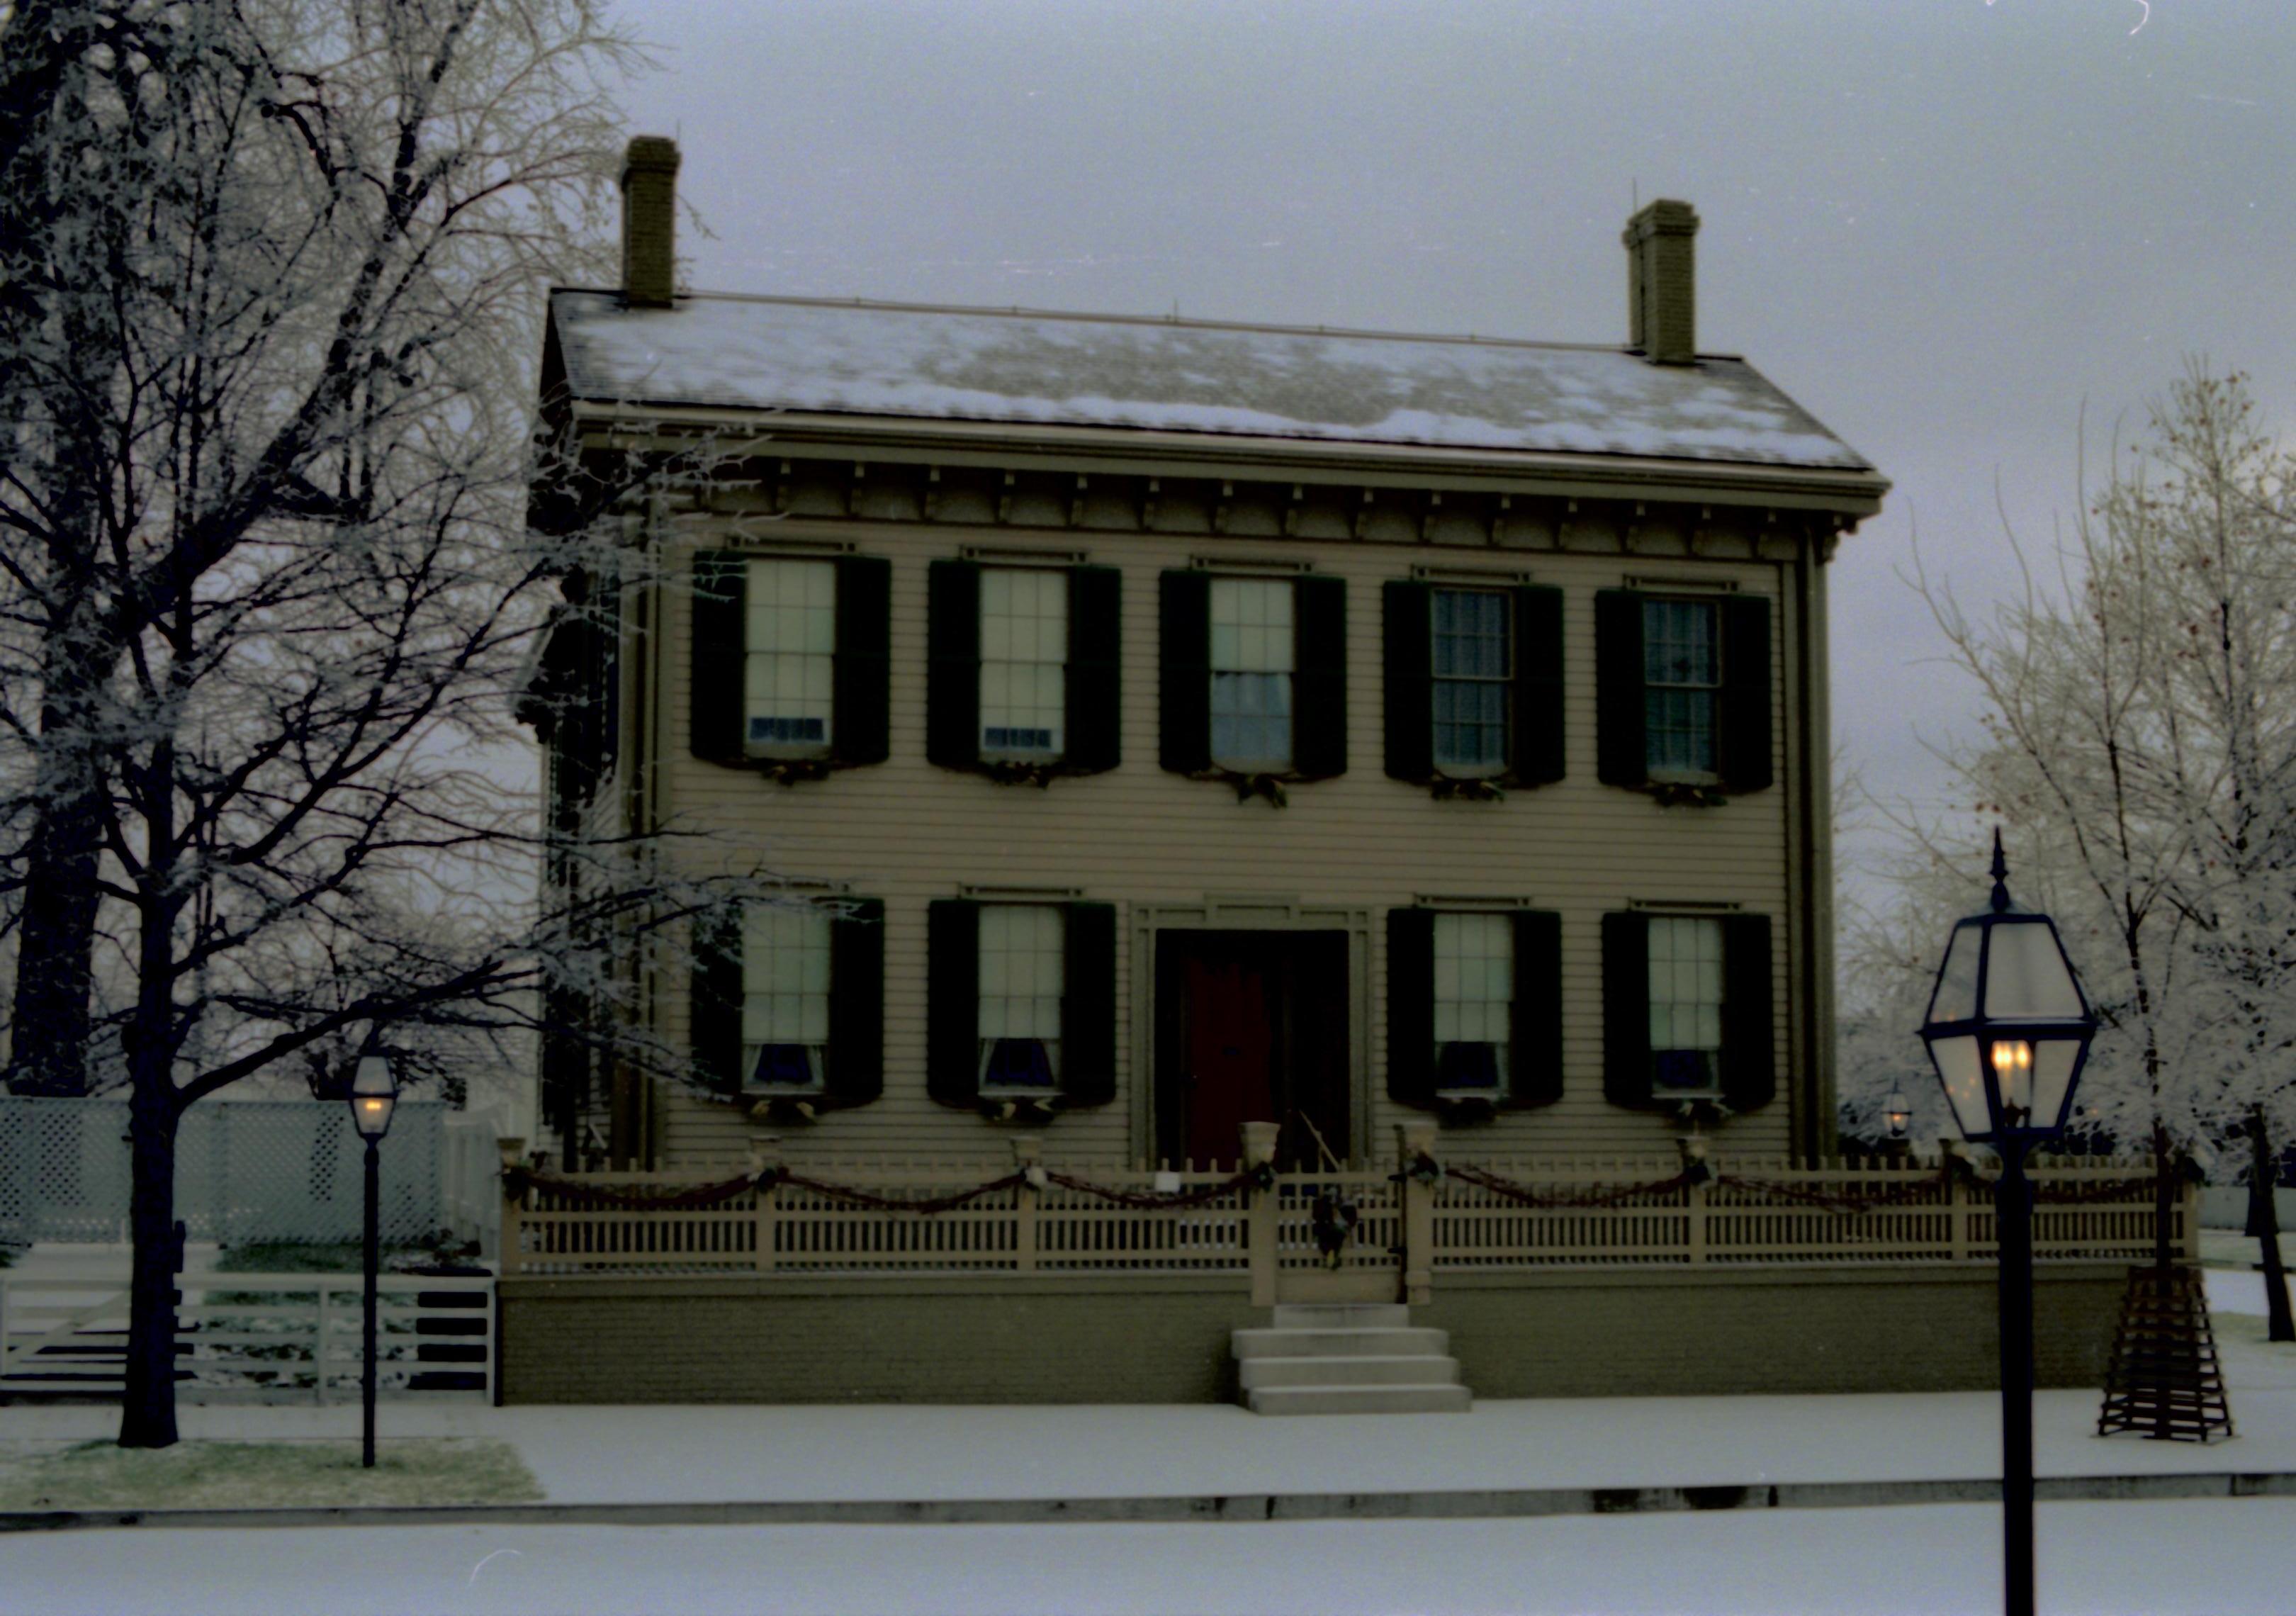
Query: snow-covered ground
x,y
2225,1558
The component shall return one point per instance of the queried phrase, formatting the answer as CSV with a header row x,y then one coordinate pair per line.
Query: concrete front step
x,y
1378,1342
1341,1315
1358,1399
1416,1370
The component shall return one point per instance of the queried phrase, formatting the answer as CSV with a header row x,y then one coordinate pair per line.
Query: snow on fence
x,y
245,1170
986,1216
269,1338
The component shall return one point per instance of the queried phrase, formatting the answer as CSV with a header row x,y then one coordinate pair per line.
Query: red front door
x,y
1253,1027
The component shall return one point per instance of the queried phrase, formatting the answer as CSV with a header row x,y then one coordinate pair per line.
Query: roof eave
x,y
1849,492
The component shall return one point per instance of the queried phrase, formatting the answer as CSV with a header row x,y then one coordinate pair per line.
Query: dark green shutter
x,y
1534,1052
1621,756
953,664
1626,1009
1319,679
716,720
714,1038
854,1072
862,688
1089,1006
1094,683
1407,638
1537,757
1184,672
1411,1007
1745,725
1750,1076
953,1000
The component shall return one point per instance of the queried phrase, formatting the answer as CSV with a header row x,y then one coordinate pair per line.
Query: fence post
x,y
1694,1200
1028,1158
1956,1199
765,1155
1414,1141
513,1201
1259,1213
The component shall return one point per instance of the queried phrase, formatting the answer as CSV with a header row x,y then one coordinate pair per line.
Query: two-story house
x,y
1166,724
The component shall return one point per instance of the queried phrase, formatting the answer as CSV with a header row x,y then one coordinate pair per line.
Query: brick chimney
x,y
649,221
1662,283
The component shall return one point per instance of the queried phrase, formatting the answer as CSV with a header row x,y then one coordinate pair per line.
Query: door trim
x,y
1249,912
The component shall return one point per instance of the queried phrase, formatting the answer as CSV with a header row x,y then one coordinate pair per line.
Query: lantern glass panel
x,y
1959,1070
2053,1059
2026,974
1955,998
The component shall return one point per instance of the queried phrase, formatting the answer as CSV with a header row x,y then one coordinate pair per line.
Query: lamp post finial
x,y
2000,875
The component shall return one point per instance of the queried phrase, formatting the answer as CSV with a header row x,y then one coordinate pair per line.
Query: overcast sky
x,y
1944,226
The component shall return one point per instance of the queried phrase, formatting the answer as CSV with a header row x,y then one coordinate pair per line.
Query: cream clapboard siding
x,y
907,832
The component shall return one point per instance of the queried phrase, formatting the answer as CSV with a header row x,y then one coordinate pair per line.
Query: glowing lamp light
x,y
2008,1028
1897,1113
374,1094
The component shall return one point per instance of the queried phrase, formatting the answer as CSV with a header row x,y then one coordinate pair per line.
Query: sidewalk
x,y
739,1454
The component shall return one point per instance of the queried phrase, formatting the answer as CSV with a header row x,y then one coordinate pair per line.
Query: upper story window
x,y
1474,1003
1474,681
790,661
1683,695
1682,689
1023,976
790,657
1685,1006
1252,652
1024,652
1472,665
1023,668
785,999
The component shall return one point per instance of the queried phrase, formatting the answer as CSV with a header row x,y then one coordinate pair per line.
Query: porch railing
x,y
1418,1217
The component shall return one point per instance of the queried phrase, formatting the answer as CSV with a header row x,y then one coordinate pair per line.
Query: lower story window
x,y
784,1000
1474,1003
1022,976
1685,1005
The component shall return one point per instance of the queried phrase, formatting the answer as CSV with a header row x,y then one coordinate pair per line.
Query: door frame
x,y
1250,912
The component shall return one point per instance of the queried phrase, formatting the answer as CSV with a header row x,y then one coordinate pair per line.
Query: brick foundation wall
x,y
1014,1339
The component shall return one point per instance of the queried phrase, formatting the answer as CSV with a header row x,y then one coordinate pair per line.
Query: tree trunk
x,y
2164,1198
2263,1223
48,1054
147,1405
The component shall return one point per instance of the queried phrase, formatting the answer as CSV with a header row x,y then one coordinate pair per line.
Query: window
x,y
1024,649
1682,683
1251,666
1474,668
1474,1003
1022,977
1685,1005
789,658
785,999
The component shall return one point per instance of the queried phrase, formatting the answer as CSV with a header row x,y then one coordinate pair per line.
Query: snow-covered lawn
x,y
2220,1558
256,1475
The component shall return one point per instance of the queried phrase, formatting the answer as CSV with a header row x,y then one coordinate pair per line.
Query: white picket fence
x,y
271,1338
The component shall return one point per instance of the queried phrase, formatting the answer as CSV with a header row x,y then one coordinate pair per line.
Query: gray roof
x,y
890,360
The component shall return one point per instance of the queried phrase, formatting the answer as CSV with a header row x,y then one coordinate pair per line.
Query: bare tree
x,y
2140,740
268,587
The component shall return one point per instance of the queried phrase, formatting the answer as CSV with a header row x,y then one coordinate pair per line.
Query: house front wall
x,y
1175,853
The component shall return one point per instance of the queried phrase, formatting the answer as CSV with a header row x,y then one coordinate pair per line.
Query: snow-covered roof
x,y
902,361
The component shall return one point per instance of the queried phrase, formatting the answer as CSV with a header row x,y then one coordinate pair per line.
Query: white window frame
x,y
1709,773
769,621
1503,680
1695,986
1474,992
1013,647
785,988
1021,983
1253,645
